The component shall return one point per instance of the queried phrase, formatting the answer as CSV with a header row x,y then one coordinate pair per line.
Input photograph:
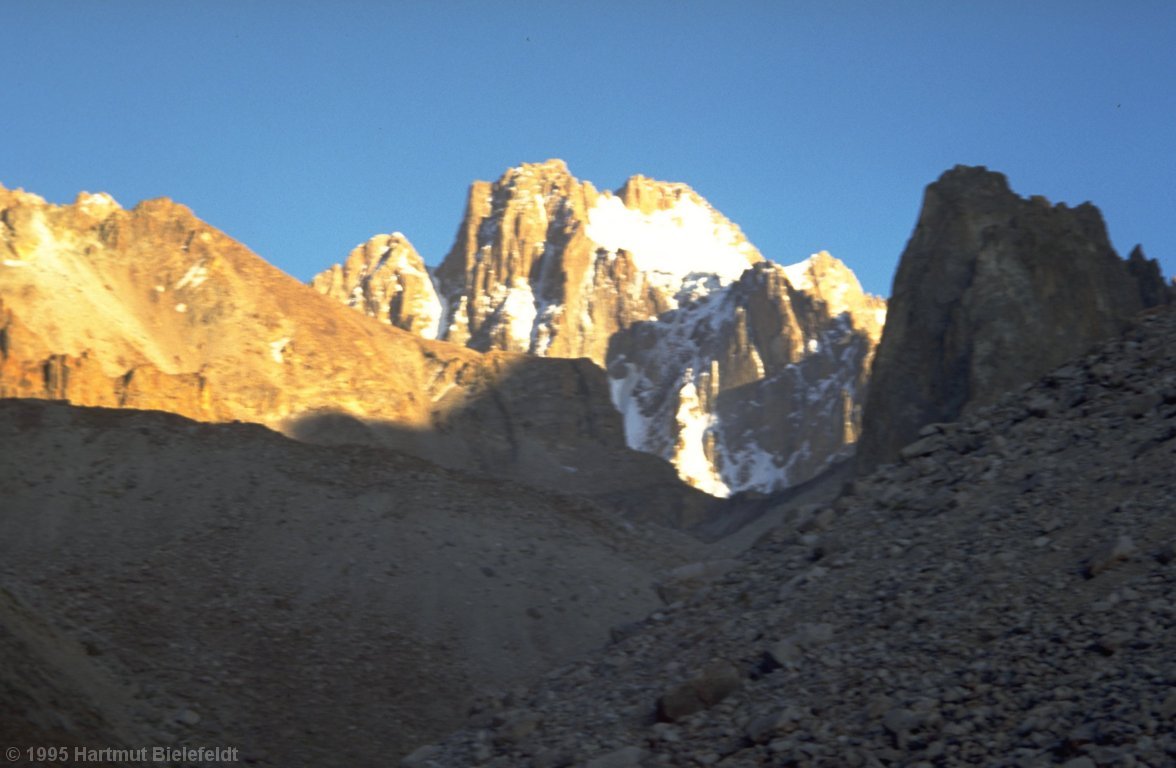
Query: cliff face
x,y
153,308
543,263
755,386
992,291
386,279
645,282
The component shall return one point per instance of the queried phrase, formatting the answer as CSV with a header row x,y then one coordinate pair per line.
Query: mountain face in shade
x,y
153,308
757,385
992,291
700,334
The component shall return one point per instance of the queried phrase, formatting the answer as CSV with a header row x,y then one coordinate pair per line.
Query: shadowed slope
x,y
312,605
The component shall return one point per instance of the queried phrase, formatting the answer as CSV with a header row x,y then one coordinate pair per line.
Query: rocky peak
x,y
829,280
502,284
153,308
646,195
1153,291
991,291
545,264
387,279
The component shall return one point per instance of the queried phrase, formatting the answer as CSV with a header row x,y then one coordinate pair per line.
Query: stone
x,y
625,757
1168,707
685,580
1040,405
806,636
784,653
767,727
899,720
422,757
1107,557
813,634
516,726
923,447
1080,762
717,680
187,717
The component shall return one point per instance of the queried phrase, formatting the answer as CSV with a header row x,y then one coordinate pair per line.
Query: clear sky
x,y
303,128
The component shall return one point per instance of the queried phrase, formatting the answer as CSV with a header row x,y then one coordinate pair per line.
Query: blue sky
x,y
303,128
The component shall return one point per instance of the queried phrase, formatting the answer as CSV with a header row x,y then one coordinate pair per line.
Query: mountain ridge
x,y
153,308
546,264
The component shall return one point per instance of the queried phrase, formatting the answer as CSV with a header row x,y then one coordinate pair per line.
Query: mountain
x,y
700,334
1005,595
992,291
386,278
755,386
153,308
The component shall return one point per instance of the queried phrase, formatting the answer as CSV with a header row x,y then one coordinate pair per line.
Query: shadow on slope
x,y
554,432
311,605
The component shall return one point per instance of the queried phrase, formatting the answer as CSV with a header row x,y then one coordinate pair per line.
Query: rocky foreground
x,y
1004,595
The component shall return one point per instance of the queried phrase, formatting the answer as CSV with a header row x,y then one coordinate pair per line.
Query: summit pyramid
x,y
700,334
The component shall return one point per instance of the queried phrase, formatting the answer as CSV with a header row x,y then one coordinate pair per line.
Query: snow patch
x,y
277,347
15,263
518,310
694,428
751,468
624,390
547,312
195,275
800,274
181,308
670,245
101,200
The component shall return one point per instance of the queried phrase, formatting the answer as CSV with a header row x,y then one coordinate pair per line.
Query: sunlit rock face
x,y
745,374
387,279
992,291
153,308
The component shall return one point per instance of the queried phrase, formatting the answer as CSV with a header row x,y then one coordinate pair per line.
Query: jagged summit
x,y
153,308
651,283
992,291
386,278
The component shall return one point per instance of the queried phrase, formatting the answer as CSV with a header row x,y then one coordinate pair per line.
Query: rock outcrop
x,y
992,291
387,279
654,284
153,308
